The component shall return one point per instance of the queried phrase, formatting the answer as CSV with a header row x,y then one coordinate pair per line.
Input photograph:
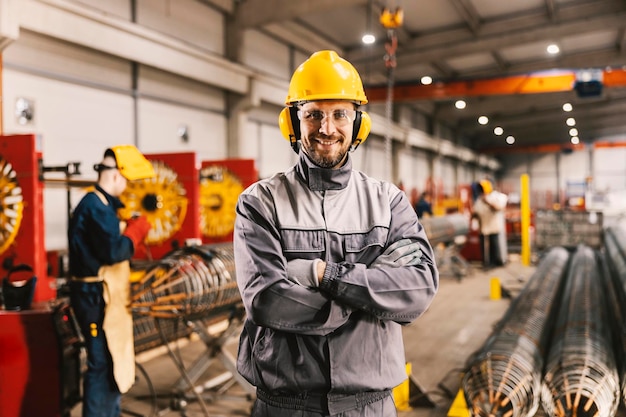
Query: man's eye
x,y
315,115
340,115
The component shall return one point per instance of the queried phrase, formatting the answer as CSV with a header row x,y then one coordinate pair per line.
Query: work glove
x,y
137,229
303,272
402,253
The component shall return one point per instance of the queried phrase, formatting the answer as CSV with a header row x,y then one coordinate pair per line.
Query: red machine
x,y
22,224
221,182
169,201
40,361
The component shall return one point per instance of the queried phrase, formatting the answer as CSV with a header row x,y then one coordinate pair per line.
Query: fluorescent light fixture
x,y
368,39
553,49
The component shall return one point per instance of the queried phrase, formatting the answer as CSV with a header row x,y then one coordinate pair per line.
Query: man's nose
x,y
327,125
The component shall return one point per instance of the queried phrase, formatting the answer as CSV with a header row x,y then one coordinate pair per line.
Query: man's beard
x,y
323,161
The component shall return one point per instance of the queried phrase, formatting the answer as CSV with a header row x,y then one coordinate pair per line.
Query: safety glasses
x,y
340,117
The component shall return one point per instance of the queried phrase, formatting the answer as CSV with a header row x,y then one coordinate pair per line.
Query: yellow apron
x,y
118,322
118,319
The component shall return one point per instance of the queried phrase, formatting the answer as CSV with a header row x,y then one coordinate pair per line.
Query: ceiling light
x,y
426,80
460,104
573,132
575,140
567,107
553,49
368,39
510,140
498,131
483,120
570,121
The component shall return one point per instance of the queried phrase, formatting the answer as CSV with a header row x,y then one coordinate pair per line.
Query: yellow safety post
x,y
525,218
459,406
495,290
401,392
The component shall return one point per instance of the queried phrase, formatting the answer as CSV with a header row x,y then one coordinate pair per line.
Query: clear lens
x,y
340,117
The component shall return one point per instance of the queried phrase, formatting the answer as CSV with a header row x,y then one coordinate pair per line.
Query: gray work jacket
x,y
345,336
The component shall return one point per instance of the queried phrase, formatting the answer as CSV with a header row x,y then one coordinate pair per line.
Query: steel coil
x,y
503,378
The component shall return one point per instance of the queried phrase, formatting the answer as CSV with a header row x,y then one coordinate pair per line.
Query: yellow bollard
x,y
495,290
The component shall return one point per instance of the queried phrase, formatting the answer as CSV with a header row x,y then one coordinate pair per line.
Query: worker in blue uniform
x,y
100,247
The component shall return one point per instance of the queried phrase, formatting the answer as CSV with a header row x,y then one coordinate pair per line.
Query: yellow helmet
x,y
131,163
325,76
486,186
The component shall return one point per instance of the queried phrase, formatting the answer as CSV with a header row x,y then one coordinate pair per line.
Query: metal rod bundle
x,y
503,377
445,229
580,377
615,246
192,282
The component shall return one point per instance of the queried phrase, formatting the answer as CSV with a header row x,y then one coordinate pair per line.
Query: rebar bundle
x,y
580,377
192,283
615,246
445,229
503,377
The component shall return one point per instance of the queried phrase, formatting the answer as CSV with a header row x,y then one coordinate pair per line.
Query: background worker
x,y
489,210
424,207
99,256
330,263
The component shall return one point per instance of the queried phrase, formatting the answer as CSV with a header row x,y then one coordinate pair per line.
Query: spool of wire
x,y
11,205
192,282
503,378
581,377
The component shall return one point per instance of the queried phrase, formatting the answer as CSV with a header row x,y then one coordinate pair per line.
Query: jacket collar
x,y
115,202
322,179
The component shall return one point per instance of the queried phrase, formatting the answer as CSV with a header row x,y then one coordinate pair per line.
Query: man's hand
x,y
306,272
401,253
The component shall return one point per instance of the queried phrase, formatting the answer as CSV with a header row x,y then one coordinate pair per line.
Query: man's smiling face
x,y
326,128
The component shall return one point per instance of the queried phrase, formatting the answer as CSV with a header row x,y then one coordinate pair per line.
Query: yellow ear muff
x,y
361,129
284,122
290,126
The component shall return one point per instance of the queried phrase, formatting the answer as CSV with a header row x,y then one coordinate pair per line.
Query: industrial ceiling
x,y
490,53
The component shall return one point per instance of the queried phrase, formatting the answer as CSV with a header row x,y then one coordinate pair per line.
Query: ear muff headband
x,y
289,124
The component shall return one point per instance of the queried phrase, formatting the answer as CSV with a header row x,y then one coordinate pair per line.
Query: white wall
x,y
187,20
551,175
86,99
76,124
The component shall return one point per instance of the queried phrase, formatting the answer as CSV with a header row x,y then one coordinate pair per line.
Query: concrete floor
x,y
437,346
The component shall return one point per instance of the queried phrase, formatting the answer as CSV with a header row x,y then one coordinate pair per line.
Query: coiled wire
x,y
503,377
615,247
580,376
191,283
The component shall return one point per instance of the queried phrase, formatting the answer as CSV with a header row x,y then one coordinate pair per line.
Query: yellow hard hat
x,y
486,186
325,76
131,163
